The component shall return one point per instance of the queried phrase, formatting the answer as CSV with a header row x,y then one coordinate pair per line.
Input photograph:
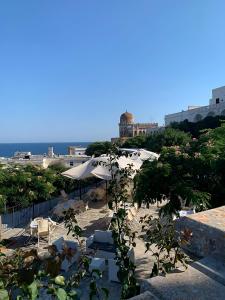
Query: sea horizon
x,y
8,149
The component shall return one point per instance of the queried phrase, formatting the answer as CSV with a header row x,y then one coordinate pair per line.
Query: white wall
x,y
194,115
218,93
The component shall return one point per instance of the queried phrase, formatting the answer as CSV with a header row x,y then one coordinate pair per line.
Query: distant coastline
x,y
8,149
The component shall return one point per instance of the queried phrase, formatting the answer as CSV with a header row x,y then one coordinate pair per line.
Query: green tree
x,y
155,142
178,176
195,128
169,137
135,142
98,148
194,173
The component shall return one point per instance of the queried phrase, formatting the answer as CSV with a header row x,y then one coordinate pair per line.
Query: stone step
x,y
212,266
203,280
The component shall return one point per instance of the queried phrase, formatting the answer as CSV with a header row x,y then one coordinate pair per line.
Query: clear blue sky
x,y
68,69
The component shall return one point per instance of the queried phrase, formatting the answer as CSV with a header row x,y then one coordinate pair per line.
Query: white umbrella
x,y
148,155
92,167
141,153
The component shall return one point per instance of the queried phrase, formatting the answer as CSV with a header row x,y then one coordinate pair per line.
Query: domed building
x,y
126,118
128,128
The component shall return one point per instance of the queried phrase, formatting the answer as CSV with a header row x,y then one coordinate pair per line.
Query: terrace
x,y
97,217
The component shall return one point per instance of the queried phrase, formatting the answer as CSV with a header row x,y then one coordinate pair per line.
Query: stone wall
x,y
208,231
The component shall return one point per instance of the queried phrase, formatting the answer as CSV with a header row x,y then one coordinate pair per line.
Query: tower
x,y
50,152
126,125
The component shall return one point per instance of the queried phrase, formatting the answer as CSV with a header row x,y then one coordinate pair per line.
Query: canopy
x,y
90,168
141,153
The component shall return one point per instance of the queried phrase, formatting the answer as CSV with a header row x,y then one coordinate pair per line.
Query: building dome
x,y
126,118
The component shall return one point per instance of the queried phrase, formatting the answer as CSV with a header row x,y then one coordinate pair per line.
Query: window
x,y
71,163
217,100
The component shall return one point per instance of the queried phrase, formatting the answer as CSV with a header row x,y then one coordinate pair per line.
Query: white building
x,y
40,160
216,107
76,150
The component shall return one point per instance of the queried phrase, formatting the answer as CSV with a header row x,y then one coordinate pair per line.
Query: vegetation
x,y
155,142
135,142
196,128
121,232
177,134
98,148
25,276
23,185
188,175
165,243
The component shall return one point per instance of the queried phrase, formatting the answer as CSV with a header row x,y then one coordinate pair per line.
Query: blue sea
x,y
8,149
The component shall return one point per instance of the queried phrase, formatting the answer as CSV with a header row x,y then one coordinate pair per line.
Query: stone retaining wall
x,y
208,231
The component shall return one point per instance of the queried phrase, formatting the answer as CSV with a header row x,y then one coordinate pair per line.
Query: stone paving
x,y
144,261
97,217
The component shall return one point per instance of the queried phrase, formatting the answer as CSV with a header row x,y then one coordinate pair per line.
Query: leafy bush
x,y
23,185
165,244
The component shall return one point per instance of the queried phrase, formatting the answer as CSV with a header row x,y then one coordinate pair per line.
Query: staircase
x,y
203,280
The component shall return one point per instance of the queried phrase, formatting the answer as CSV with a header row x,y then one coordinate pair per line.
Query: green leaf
x,y
61,294
73,295
1,285
4,295
60,280
33,290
